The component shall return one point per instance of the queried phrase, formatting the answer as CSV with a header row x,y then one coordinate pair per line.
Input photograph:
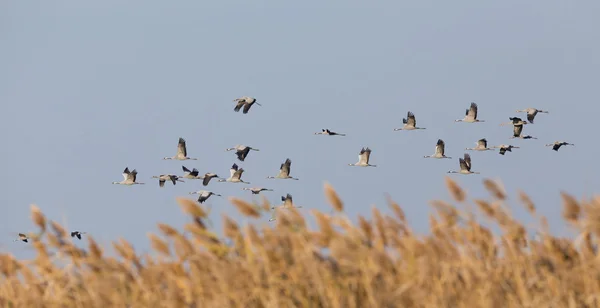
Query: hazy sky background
x,y
88,88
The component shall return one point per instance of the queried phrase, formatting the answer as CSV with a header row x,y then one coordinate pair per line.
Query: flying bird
x,y
470,115
204,195
194,174
241,151
518,132
410,123
181,151
284,171
531,113
208,176
439,150
481,146
363,158
557,144
129,177
236,175
245,102
77,234
326,131
503,148
256,190
22,237
465,165
514,121
167,177
287,204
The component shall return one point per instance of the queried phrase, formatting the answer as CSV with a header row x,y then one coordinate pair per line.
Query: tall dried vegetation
x,y
379,262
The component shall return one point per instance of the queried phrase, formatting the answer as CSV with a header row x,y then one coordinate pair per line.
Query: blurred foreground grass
x,y
377,263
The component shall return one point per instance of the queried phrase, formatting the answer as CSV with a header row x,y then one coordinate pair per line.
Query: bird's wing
x,y
288,201
161,182
361,156
132,176
468,161
286,167
482,142
367,155
238,173
181,148
440,147
173,179
473,111
530,117
411,119
239,105
247,107
241,154
517,129
206,180
463,164
186,170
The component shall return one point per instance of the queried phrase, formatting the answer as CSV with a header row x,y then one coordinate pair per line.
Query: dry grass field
x,y
378,263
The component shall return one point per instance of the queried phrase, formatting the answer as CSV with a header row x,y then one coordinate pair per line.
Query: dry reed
x,y
377,263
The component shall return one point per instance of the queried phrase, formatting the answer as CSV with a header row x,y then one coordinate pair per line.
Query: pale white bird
x,y
236,175
204,195
531,113
440,149
167,177
410,123
363,158
181,151
284,171
245,102
129,177
470,115
326,131
465,165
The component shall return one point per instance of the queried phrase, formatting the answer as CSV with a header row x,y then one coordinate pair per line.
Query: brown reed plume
x,y
377,262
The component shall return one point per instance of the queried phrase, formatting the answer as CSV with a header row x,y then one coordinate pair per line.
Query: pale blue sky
x,y
88,88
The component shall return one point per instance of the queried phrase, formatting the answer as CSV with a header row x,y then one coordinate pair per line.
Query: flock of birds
x,y
242,151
